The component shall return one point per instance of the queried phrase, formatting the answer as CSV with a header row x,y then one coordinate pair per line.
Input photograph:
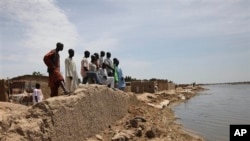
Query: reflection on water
x,y
210,113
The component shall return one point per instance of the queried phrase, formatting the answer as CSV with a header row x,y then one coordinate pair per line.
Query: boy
x,y
37,94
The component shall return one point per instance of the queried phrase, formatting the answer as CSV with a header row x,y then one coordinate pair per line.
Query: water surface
x,y
210,113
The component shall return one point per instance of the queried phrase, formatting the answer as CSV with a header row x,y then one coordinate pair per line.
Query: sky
x,y
186,41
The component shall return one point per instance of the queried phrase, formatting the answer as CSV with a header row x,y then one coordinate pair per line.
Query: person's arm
x,y
102,73
86,69
105,76
48,60
108,64
110,67
85,65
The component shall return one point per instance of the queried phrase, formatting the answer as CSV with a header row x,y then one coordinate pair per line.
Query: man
x,y
52,61
105,79
70,72
115,72
109,64
120,78
97,60
102,55
85,67
92,73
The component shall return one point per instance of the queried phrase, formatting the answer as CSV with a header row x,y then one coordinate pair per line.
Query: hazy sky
x,y
202,41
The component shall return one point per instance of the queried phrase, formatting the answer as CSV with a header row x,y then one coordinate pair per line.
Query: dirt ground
x,y
152,119
148,118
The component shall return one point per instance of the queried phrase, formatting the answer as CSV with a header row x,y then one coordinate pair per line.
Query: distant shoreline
x,y
227,83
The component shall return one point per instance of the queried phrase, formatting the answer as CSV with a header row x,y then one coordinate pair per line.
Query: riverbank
x,y
152,119
96,112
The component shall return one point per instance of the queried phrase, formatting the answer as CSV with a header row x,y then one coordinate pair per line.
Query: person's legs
x,y
122,88
58,80
94,76
68,82
97,79
110,81
62,84
54,91
90,77
85,80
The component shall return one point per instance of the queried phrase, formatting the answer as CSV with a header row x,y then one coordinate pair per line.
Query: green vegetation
x,y
129,79
37,73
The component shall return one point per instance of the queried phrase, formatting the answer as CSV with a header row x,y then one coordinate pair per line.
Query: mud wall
x,y
3,90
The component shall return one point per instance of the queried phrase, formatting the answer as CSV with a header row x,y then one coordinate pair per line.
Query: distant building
x,y
151,86
19,85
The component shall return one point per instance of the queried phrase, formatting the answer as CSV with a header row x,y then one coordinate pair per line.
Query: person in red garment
x,y
52,61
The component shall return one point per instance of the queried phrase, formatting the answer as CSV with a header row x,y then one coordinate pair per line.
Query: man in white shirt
x,y
70,72
105,79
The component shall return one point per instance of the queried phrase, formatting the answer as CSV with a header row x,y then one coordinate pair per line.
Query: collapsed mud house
x,y
19,88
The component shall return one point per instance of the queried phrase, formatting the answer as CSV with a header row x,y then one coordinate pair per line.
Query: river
x,y
210,113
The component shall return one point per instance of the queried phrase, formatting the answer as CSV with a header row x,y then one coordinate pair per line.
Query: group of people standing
x,y
99,70
102,70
